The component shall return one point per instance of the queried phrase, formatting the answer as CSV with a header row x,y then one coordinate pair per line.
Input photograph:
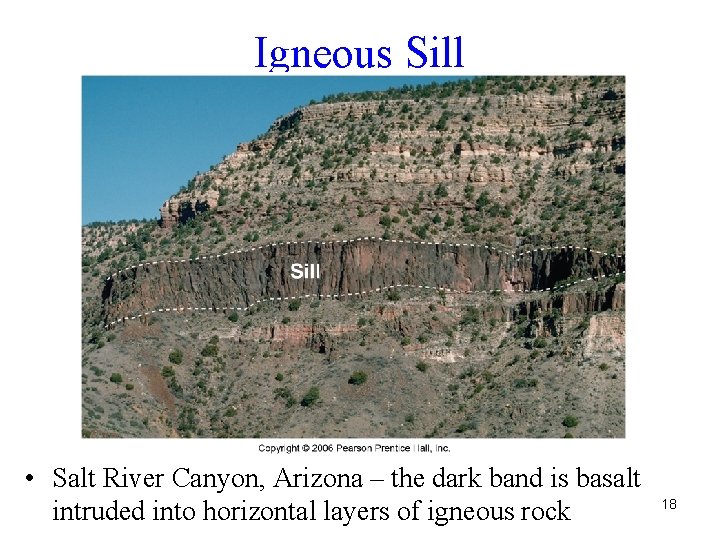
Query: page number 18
x,y
670,504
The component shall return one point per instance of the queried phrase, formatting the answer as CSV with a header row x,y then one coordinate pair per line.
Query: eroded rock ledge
x,y
240,279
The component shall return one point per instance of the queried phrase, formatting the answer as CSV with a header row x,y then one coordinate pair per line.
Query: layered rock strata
x,y
347,269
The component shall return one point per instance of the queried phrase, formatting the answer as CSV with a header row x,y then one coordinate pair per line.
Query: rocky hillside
x,y
471,241
506,162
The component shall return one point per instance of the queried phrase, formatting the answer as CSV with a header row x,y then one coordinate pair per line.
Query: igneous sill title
x,y
430,52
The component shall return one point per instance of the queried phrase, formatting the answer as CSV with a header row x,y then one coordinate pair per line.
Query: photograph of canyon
x,y
441,260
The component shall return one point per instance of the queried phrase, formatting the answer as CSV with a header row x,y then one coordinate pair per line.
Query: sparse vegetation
x,y
477,162
311,397
285,394
358,378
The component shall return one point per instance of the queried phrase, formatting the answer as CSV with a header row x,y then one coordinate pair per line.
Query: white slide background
x,y
667,51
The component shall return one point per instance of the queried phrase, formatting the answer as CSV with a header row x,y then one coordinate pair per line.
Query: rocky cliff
x,y
455,335
350,268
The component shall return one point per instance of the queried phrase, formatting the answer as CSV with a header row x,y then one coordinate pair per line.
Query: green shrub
x,y
393,295
358,378
311,397
96,337
175,356
471,315
422,366
466,426
279,377
570,421
167,371
129,386
284,393
234,317
116,378
175,387
294,305
209,350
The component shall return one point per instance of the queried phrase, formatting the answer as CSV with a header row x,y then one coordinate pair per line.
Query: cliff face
x,y
457,336
177,211
323,337
351,268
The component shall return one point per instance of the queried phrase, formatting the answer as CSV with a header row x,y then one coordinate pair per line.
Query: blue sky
x,y
145,137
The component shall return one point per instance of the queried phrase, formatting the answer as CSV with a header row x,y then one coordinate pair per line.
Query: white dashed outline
x,y
516,254
343,295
